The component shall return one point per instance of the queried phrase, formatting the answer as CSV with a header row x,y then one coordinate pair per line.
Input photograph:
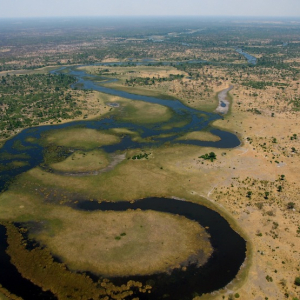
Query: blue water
x,y
251,59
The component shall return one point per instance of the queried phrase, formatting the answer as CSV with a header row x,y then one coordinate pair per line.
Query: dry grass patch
x,y
201,136
126,243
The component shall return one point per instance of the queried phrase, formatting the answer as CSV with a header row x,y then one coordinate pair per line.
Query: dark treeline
x,y
28,100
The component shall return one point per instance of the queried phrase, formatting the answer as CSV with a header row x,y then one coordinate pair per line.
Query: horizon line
x,y
150,16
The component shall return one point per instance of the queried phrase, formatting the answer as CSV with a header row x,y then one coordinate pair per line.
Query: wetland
x,y
89,151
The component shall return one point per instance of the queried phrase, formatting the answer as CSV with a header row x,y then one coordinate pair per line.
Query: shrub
x,y
291,205
269,278
297,281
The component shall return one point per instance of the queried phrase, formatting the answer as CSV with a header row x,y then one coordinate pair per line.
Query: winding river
x,y
229,248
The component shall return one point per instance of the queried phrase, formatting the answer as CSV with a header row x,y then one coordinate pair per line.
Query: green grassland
x,y
82,161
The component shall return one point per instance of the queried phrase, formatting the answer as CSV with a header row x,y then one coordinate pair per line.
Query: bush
x,y
291,205
269,278
297,281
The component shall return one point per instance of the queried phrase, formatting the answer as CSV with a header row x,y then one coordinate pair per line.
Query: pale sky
x,y
53,8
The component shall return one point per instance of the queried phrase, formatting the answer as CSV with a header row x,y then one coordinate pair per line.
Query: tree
x,y
211,156
249,194
297,281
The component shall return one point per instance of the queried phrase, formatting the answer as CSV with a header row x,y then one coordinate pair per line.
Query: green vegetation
x,y
255,111
12,165
263,84
54,154
269,278
295,102
297,281
28,100
209,156
141,155
82,161
294,137
142,112
150,81
38,265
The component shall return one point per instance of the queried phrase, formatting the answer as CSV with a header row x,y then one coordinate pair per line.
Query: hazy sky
x,y
48,8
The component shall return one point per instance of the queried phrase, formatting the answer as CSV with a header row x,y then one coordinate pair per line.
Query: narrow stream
x,y
250,58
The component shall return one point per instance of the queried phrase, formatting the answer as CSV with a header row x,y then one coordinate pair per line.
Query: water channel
x,y
250,58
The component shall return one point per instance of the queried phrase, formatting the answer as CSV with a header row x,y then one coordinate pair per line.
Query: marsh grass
x,y
143,112
38,265
83,161
80,138
13,165
6,295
